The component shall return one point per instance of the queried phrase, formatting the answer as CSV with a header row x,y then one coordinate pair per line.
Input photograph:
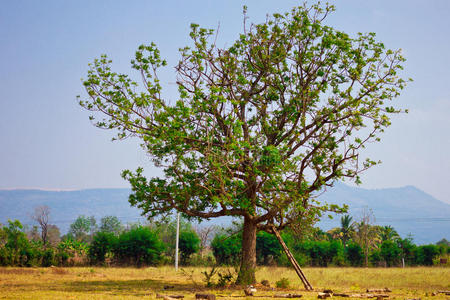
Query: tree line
x,y
109,242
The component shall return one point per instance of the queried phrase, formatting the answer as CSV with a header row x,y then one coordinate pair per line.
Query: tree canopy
x,y
259,127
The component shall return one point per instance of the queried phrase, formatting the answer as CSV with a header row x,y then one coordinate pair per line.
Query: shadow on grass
x,y
134,287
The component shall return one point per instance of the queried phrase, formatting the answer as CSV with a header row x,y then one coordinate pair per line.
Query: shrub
x,y
102,244
267,248
48,258
354,254
139,246
390,252
226,249
425,254
283,283
189,244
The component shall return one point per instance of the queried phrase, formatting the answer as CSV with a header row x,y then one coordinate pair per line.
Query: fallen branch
x,y
324,295
169,297
205,296
287,296
385,290
444,292
348,295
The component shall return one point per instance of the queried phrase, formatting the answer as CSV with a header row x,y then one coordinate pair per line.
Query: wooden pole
x,y
294,262
177,241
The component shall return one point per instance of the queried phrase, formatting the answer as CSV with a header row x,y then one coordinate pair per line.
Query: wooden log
x,y
205,296
324,295
169,297
287,296
341,295
385,290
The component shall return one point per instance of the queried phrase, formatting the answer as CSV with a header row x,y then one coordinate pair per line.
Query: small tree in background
x,y
347,228
227,248
388,233
189,244
354,254
390,252
41,215
102,243
83,228
110,224
204,233
140,246
366,234
53,235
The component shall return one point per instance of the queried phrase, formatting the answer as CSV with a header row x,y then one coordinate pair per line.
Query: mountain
x,y
408,209
66,206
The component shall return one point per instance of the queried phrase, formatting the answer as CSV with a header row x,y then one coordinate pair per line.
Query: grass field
x,y
131,283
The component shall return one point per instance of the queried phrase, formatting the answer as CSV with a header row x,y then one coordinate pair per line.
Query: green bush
x,y
139,246
102,244
354,254
283,283
226,249
321,253
375,258
390,253
267,248
425,254
48,258
189,244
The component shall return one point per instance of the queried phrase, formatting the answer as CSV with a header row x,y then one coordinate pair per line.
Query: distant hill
x,y
66,206
408,209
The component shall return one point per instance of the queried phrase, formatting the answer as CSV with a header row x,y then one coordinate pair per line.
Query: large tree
x,y
259,128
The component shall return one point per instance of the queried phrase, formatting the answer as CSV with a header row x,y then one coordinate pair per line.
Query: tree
x,y
347,228
103,242
267,248
366,235
82,228
167,230
226,248
390,252
139,246
41,216
354,254
259,128
408,249
110,224
189,244
204,234
388,233
53,235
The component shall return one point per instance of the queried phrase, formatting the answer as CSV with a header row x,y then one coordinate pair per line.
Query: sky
x,y
47,141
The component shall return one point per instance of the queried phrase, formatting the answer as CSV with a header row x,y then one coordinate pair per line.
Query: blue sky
x,y
48,142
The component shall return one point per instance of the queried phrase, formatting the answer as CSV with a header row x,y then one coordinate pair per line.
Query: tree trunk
x,y
248,259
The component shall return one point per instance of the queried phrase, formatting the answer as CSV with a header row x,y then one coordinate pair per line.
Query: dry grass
x,y
131,283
